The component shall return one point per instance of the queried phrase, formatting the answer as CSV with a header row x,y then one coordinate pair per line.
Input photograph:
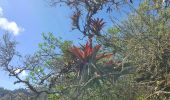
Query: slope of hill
x,y
18,94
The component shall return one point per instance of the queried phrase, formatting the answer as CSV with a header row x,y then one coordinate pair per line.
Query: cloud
x,y
10,26
22,74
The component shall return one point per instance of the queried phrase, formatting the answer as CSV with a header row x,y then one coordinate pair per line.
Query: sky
x,y
25,20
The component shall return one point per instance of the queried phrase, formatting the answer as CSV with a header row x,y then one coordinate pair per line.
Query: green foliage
x,y
144,43
91,80
138,47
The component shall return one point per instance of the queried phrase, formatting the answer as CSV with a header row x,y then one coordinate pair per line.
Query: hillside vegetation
x,y
130,60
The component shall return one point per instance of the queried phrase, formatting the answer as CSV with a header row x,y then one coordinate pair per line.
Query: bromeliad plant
x,y
87,56
87,53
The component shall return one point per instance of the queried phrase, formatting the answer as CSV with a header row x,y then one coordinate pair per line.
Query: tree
x,y
144,39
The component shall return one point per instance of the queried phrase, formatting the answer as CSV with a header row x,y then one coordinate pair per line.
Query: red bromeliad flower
x,y
87,52
97,25
75,18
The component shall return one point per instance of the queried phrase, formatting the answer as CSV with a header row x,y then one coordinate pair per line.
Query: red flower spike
x,y
97,25
104,55
77,52
75,18
97,47
88,49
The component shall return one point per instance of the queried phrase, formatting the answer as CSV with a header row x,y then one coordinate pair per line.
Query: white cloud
x,y
22,74
10,26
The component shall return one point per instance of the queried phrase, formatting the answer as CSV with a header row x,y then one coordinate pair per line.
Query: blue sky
x,y
26,20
